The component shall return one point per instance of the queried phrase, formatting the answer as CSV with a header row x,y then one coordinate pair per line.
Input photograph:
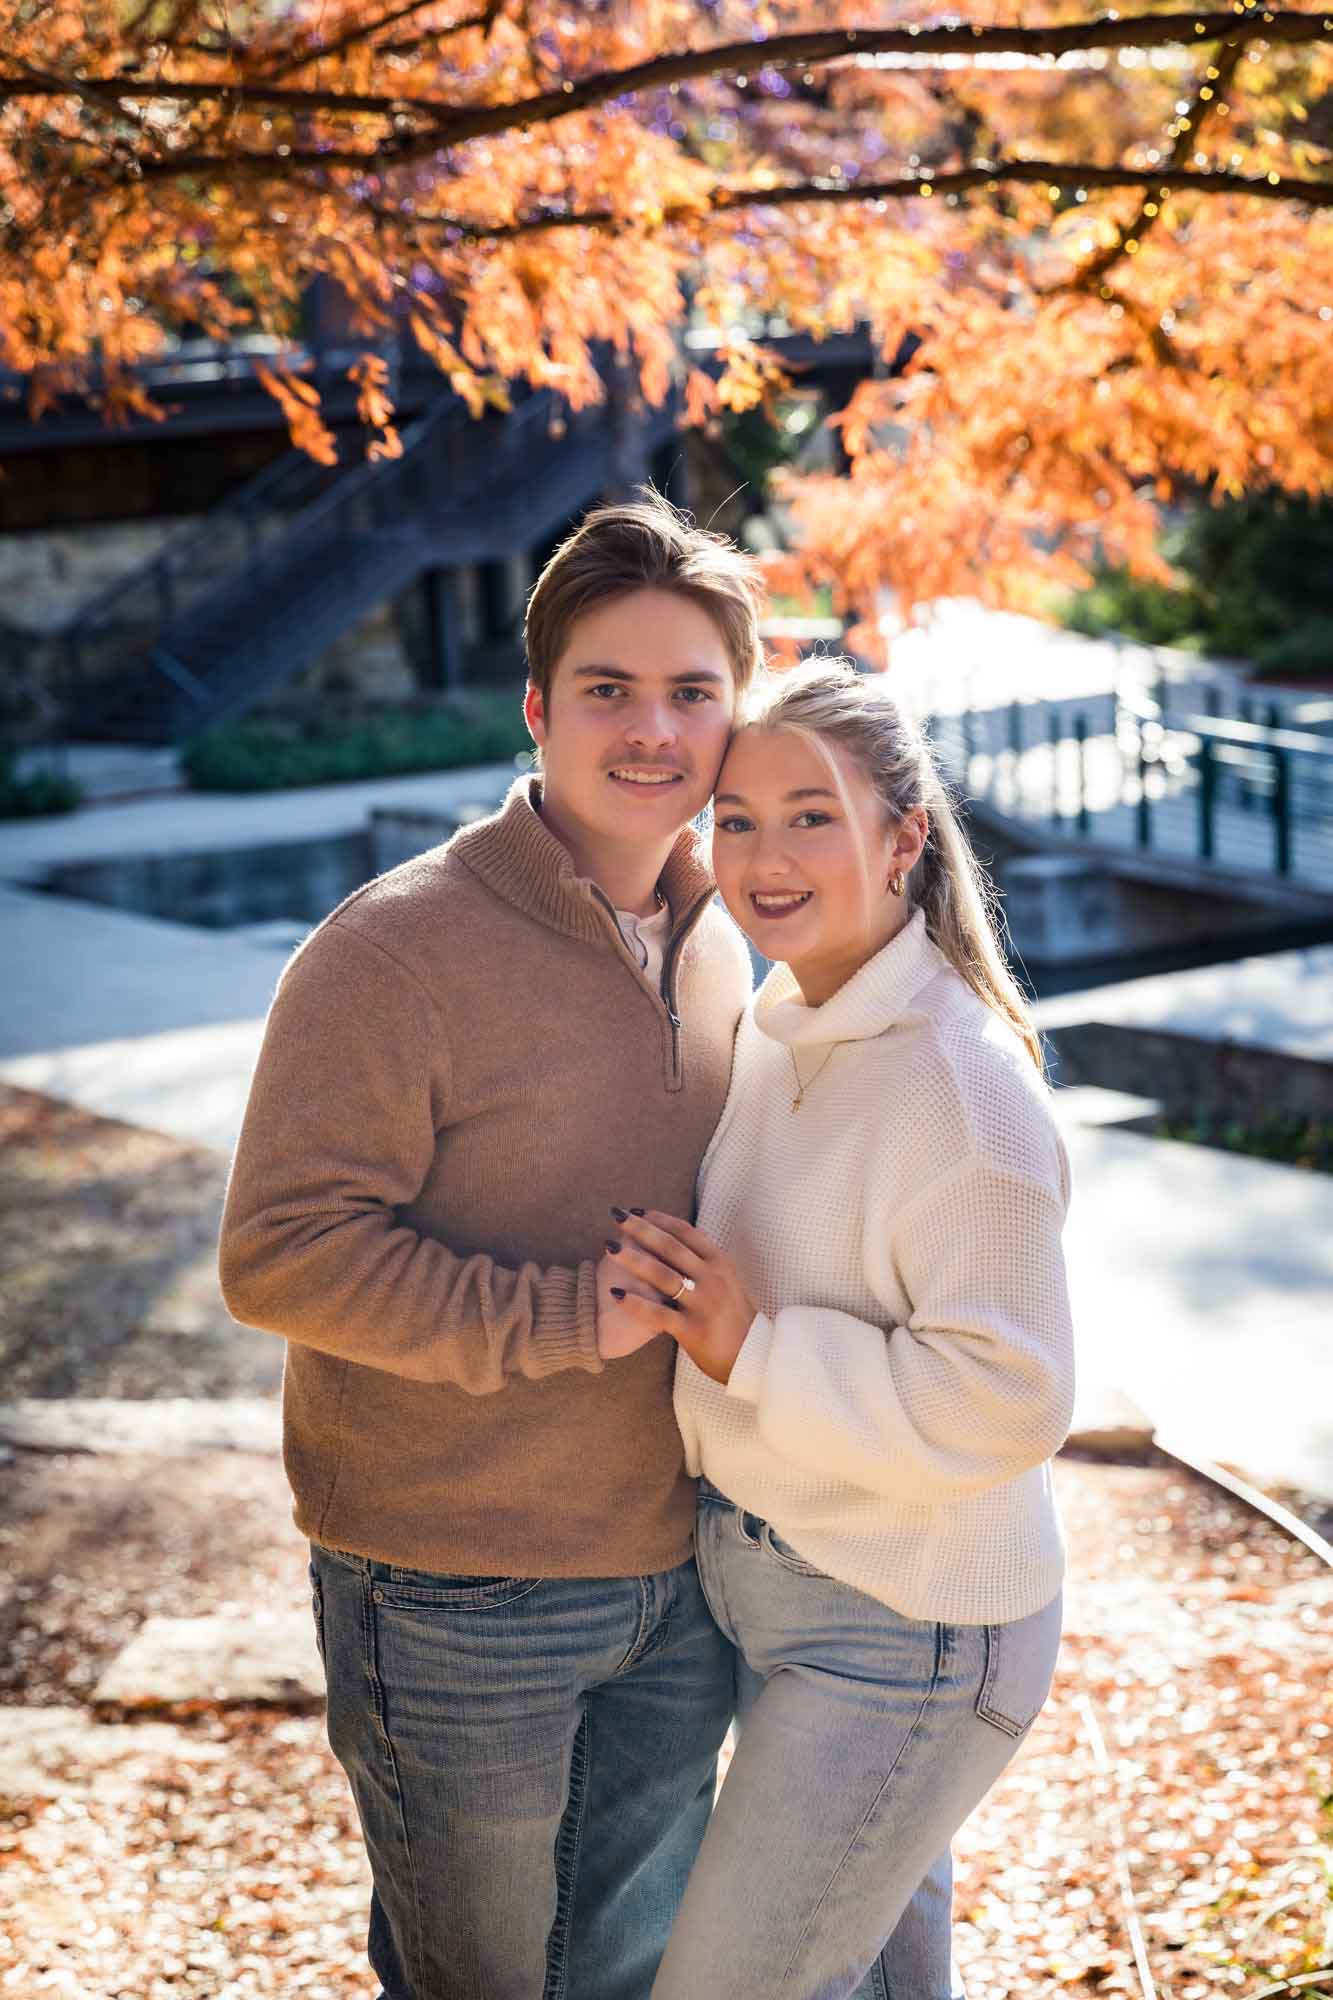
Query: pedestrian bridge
x,y
1170,766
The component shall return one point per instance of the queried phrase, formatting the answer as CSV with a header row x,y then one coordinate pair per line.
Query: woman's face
x,y
803,857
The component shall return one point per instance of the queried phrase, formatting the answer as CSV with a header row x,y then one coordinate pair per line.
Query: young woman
x,y
876,1360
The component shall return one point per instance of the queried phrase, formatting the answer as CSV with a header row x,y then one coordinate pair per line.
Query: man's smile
x,y
646,775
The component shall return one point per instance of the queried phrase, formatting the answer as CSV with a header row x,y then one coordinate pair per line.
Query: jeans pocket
x,y
423,1590
783,1552
1020,1660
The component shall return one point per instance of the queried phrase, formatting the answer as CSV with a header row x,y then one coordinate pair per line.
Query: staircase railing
x,y
221,618
129,613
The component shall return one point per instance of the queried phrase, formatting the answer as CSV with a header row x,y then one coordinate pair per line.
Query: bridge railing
x,y
1245,792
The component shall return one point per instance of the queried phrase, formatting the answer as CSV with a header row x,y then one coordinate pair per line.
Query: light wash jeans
x,y
533,1764
866,1739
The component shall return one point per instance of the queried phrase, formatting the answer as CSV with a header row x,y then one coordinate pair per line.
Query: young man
x,y
465,1067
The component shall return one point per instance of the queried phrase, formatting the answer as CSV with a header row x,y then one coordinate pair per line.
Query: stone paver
x,y
217,1662
169,1427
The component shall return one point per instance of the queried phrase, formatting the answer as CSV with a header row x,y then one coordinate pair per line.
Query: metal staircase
x,y
246,598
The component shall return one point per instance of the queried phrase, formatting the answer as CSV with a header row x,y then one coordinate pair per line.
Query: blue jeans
x,y
533,1763
866,1739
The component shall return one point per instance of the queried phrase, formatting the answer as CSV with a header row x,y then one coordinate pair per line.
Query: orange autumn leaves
x,y
1080,359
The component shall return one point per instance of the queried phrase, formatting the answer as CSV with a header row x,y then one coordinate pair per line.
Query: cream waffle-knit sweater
x,y
909,1371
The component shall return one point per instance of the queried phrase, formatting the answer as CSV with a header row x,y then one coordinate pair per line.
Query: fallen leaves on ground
x,y
1199,1649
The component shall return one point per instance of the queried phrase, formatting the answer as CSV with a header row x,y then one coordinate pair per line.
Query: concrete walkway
x,y
199,822
1202,1281
1281,1001
160,1023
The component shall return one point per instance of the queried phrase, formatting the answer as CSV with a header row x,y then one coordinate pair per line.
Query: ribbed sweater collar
x,y
871,1001
515,854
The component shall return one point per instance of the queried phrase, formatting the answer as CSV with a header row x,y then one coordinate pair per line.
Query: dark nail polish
x,y
616,1292
614,1248
619,1214
636,1211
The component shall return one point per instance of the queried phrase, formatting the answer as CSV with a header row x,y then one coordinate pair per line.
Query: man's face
x,y
637,719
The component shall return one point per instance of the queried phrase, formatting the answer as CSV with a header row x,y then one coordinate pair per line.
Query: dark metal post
x,y
1055,736
444,628
1246,710
1016,750
1207,798
1081,738
1143,809
1281,799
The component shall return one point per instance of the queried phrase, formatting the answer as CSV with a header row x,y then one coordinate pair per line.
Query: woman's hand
x,y
710,1316
620,1332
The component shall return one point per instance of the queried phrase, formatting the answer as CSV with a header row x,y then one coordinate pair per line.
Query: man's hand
x,y
710,1316
619,1331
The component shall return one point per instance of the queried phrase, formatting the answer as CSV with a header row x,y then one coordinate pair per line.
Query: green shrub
x,y
30,798
1254,584
1305,651
1293,1140
1119,602
273,754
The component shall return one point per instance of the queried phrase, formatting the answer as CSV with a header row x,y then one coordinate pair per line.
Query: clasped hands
x,y
640,1294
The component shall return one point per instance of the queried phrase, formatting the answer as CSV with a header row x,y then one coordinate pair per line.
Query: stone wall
x,y
1191,1073
46,576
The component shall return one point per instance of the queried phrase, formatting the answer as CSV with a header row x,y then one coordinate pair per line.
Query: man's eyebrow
x,y
623,674
805,792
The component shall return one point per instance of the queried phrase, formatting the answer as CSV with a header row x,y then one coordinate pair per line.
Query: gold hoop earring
x,y
896,882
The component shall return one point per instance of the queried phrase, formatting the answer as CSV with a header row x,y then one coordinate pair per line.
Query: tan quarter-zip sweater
x,y
463,1068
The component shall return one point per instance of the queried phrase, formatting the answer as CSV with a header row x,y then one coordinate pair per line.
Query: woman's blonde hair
x,y
832,704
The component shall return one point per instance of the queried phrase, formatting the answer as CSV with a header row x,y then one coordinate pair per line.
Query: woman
x,y
876,1358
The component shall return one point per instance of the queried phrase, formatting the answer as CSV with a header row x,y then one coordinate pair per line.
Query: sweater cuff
x,y
564,1333
747,1370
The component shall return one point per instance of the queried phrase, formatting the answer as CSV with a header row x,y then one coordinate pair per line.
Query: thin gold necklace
x,y
801,1088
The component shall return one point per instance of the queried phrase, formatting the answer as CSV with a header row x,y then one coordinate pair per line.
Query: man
x,y
466,1068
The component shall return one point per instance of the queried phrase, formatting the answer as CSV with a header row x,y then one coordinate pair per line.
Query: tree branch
x,y
354,37
1203,104
986,173
454,124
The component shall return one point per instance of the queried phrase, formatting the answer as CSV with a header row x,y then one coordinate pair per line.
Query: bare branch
x,y
987,174
454,124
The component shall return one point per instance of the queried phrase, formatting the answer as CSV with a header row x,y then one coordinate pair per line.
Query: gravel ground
x,y
108,1285
1180,1779
1189,1733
